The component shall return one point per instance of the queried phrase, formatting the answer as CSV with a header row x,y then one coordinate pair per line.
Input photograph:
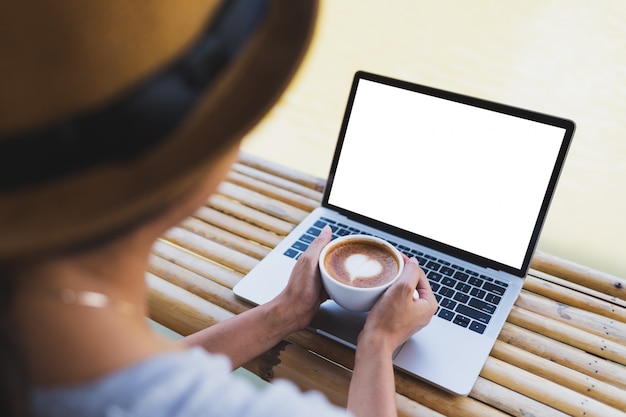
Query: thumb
x,y
411,275
321,240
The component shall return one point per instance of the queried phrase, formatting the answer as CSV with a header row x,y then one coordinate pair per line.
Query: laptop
x,y
462,184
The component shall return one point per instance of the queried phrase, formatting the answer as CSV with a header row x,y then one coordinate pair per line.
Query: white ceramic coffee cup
x,y
351,297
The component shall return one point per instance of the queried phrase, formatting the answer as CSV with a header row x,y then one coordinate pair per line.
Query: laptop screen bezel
x,y
566,124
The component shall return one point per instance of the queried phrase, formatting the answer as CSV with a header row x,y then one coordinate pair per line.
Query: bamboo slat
x,y
442,402
408,407
511,402
255,217
579,318
565,283
293,175
196,284
221,254
238,227
274,192
564,354
181,310
580,274
597,303
561,353
261,202
545,391
591,387
191,261
224,238
597,345
278,182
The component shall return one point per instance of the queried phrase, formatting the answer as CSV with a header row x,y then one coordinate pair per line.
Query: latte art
x,y
362,266
361,263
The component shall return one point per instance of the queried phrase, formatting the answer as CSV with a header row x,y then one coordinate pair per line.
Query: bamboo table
x,y
562,351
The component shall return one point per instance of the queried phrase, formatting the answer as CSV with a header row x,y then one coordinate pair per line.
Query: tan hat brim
x,y
101,201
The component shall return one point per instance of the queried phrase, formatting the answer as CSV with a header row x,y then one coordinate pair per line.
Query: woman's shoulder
x,y
166,375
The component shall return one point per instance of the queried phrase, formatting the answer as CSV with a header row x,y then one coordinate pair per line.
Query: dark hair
x,y
14,386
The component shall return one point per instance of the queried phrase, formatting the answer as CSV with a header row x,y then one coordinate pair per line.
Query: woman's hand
x,y
304,292
397,314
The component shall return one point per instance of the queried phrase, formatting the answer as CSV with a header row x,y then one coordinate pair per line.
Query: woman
x,y
118,121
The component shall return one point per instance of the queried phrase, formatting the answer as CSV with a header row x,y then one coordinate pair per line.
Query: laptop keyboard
x,y
466,298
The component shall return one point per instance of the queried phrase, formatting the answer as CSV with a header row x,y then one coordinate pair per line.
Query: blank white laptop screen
x,y
471,178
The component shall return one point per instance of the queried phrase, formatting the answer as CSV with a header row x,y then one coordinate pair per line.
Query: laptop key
x,y
320,224
301,246
307,238
446,291
482,306
477,327
476,282
434,276
447,303
314,231
292,253
461,276
473,313
448,281
494,299
445,314
447,271
461,298
433,265
461,320
496,289
478,293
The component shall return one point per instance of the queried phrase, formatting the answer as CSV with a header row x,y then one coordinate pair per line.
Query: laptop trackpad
x,y
338,323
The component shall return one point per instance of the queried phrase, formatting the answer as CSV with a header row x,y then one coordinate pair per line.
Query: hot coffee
x,y
361,263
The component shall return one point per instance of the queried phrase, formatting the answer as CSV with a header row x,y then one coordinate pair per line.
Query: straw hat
x,y
109,110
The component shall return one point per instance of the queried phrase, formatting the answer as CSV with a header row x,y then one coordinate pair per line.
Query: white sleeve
x,y
181,384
